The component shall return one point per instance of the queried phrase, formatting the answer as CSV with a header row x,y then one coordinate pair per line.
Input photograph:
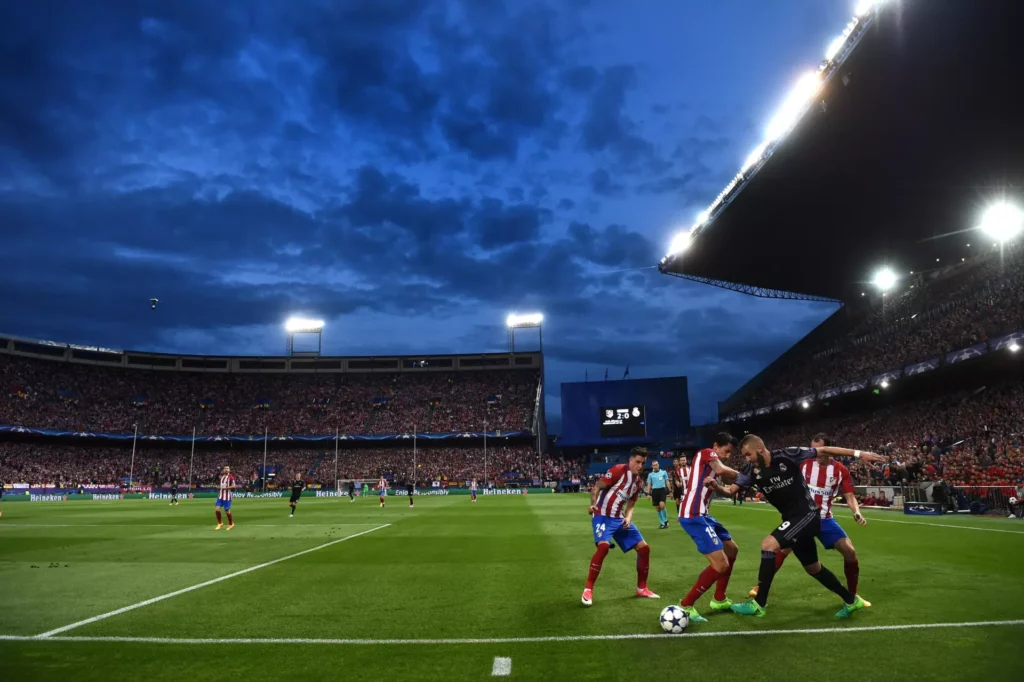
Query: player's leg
x,y
765,573
704,536
851,565
603,528
630,538
216,509
806,552
227,511
780,558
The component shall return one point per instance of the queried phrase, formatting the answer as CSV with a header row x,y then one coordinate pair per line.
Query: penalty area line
x,y
117,612
516,640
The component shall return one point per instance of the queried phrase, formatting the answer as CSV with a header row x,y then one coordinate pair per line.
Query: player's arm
x,y
728,490
629,513
725,472
594,492
847,452
851,502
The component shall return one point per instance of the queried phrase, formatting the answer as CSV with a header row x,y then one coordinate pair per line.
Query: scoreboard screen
x,y
623,422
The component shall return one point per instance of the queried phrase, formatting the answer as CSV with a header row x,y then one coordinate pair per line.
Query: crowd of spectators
x,y
68,466
968,439
969,304
78,397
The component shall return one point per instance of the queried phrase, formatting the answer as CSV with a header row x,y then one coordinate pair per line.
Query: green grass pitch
x,y
501,570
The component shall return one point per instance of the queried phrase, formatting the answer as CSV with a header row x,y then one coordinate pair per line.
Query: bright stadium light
x,y
1014,347
303,325
793,107
805,404
680,243
834,47
866,7
1002,221
885,279
885,383
754,157
515,320
703,216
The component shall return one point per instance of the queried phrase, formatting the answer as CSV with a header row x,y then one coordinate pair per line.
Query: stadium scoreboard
x,y
628,421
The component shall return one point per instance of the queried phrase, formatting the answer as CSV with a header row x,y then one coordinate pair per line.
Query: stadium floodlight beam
x,y
866,7
307,327
1014,347
524,321
1002,221
303,325
680,243
885,279
793,107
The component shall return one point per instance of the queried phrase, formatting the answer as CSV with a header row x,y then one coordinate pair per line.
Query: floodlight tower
x,y
524,321
305,327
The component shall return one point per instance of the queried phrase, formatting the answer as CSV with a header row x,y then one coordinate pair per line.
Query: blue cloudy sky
x,y
409,171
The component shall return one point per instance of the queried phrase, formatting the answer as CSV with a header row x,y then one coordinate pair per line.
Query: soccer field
x,y
455,590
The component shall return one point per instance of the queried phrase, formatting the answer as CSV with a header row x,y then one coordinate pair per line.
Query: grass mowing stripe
x,y
515,640
154,600
921,523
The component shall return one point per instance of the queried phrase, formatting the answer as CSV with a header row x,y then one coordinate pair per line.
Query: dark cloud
x,y
602,184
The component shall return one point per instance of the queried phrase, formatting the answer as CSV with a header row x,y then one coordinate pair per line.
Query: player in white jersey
x,y
226,485
611,509
826,479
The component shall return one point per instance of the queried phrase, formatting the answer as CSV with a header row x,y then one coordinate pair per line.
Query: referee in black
x,y
298,485
411,489
174,491
777,474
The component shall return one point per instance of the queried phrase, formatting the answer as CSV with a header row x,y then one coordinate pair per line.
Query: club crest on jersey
x,y
830,481
782,467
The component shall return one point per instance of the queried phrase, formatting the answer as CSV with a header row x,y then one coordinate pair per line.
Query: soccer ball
x,y
674,620
1013,501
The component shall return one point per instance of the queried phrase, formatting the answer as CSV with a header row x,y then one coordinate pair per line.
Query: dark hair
x,y
724,438
638,451
822,437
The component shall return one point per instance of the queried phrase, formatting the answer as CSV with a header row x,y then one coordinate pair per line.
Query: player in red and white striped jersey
x,y
710,536
382,488
226,484
680,474
611,509
826,478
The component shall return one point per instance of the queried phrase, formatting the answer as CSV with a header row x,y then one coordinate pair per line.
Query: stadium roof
x,y
914,131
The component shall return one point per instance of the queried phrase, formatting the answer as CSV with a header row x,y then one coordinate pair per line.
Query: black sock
x,y
831,582
765,576
293,508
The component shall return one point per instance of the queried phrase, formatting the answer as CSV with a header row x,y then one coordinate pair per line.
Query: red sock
x,y
852,575
705,580
231,521
218,515
723,581
643,566
595,564
779,558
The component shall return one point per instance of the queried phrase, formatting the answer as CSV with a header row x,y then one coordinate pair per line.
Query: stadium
x,y
889,184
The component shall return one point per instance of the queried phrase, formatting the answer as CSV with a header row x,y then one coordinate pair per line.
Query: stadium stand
x,y
80,397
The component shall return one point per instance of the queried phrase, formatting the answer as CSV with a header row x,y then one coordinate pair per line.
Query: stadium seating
x,y
66,466
968,439
80,397
934,315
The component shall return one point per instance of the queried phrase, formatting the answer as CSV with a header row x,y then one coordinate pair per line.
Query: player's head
x,y
297,475
722,444
226,470
753,450
655,466
637,459
820,440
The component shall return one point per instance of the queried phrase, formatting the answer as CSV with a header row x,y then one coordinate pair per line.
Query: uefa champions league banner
x,y
259,439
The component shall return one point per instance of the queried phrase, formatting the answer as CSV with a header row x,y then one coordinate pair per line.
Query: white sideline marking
x,y
502,667
873,519
154,600
511,640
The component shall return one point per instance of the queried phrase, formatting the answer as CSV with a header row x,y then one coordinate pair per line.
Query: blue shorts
x,y
830,533
707,533
223,504
607,530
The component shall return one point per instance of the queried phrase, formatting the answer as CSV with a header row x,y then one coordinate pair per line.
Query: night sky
x,y
409,171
